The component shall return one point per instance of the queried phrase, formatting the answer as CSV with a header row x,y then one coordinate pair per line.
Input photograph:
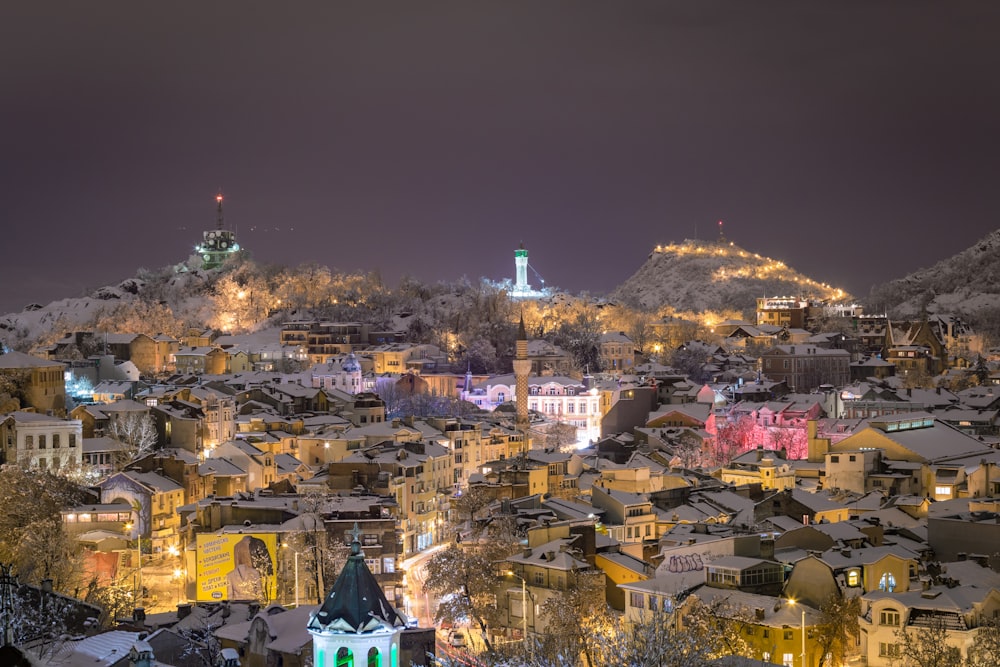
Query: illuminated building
x,y
217,244
521,289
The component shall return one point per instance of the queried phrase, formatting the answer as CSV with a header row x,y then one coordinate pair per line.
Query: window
x,y
788,659
853,578
889,617
787,635
887,650
852,458
834,459
72,439
41,441
636,600
29,442
938,490
767,633
55,440
887,582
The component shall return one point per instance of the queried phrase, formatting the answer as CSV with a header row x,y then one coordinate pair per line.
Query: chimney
x,y
47,585
140,655
183,610
759,613
139,615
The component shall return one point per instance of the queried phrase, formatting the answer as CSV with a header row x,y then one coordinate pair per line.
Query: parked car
x,y
457,638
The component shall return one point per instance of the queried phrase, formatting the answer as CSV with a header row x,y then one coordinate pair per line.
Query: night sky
x,y
855,140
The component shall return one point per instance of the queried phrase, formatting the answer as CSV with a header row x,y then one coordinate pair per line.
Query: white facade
x,y
558,398
39,441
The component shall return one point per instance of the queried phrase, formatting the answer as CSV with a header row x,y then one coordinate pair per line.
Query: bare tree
x,y
136,432
985,649
575,618
927,645
838,629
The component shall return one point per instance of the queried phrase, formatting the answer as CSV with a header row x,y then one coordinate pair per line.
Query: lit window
x,y
887,582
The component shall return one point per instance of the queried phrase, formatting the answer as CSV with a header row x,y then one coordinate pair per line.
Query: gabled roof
x,y
17,360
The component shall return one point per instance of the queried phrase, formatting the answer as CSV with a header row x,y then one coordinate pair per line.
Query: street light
x,y
138,560
803,628
524,612
178,575
297,554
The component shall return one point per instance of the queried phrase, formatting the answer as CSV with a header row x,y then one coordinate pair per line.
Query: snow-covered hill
x,y
965,284
699,276
157,303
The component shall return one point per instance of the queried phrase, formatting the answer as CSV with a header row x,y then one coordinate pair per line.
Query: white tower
x,y
521,270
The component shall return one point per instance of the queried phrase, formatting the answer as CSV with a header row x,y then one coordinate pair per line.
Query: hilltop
x,y
966,284
699,276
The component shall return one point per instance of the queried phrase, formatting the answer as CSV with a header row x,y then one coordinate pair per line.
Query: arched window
x,y
374,659
887,582
344,657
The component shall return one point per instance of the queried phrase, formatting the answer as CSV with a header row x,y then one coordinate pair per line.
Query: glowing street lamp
x,y
793,603
138,560
178,577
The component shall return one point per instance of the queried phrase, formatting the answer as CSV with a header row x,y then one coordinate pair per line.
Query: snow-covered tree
x,y
927,645
136,431
465,575
31,530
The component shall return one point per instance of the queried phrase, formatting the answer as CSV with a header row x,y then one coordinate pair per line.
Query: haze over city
x,y
855,142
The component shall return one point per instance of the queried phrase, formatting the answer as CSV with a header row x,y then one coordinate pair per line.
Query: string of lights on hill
x,y
756,267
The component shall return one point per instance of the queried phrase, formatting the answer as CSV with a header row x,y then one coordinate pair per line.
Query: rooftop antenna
x,y
218,214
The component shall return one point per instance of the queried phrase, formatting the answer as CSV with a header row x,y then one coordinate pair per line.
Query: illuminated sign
x,y
236,567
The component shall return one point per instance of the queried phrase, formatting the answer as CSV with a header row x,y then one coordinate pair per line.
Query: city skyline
x,y
855,143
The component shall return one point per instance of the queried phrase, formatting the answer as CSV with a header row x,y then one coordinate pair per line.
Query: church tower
x,y
522,368
356,624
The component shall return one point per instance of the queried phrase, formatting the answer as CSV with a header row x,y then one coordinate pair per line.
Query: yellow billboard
x,y
236,567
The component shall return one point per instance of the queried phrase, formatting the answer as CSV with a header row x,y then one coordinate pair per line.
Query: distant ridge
x,y
967,283
700,276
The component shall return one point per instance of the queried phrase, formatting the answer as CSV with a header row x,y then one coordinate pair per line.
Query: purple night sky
x,y
856,141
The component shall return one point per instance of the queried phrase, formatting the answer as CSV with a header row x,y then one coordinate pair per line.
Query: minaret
x,y
521,270
522,367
